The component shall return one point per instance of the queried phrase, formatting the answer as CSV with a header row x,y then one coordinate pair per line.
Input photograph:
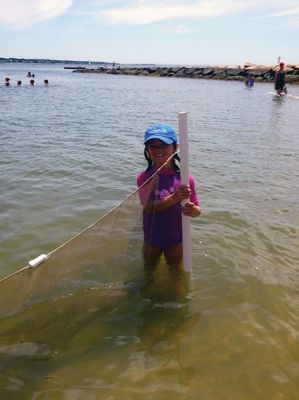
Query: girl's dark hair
x,y
150,163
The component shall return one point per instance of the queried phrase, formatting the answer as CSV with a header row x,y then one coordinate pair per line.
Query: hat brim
x,y
162,138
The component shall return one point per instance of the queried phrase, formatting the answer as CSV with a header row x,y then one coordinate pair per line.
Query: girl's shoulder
x,y
142,174
142,177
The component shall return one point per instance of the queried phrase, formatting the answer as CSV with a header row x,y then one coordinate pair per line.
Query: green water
x,y
71,152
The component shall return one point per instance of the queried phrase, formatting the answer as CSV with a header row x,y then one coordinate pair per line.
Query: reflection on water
x,y
71,152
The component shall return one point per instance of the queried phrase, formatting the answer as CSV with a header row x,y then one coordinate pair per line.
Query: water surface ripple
x,y
69,153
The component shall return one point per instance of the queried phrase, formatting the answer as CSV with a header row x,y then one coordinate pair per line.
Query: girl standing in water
x,y
161,197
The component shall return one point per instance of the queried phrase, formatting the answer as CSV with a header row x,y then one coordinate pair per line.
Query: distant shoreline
x,y
46,61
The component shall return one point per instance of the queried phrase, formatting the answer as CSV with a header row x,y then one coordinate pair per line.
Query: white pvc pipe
x,y
184,155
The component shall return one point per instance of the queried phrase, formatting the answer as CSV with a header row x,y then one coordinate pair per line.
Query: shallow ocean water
x,y
69,153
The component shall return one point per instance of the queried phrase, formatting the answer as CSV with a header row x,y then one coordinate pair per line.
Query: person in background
x,y
19,83
32,82
279,80
161,198
46,82
247,79
251,80
7,81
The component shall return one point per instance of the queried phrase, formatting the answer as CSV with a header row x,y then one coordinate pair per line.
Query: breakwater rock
x,y
261,73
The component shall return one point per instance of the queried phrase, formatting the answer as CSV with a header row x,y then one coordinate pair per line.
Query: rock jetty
x,y
261,73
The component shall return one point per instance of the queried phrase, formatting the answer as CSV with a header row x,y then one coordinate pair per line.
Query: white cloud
x,y
141,12
144,11
18,14
286,13
286,16
23,13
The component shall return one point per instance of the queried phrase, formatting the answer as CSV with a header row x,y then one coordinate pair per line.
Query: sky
x,y
182,32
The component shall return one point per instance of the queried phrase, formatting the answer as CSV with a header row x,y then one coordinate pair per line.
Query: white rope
x,y
43,257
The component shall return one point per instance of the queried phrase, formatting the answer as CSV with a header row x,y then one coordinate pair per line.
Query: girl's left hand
x,y
191,210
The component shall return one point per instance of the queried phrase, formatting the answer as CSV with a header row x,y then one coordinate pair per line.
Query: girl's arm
x,y
192,207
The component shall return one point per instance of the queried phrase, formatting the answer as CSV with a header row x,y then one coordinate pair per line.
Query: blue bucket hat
x,y
162,132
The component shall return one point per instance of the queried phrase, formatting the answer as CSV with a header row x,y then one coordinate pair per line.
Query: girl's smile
x,y
159,152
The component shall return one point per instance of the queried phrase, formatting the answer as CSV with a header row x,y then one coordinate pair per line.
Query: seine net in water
x,y
109,252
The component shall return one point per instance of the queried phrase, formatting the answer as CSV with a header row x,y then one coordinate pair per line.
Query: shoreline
x,y
261,73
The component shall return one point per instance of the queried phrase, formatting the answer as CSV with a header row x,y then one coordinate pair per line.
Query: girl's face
x,y
159,152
